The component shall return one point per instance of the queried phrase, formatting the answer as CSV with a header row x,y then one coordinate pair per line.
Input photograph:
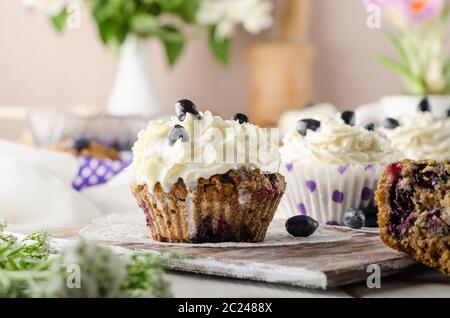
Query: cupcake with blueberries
x,y
200,178
332,166
421,135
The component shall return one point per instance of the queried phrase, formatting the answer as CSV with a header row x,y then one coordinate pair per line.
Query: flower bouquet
x,y
164,20
420,29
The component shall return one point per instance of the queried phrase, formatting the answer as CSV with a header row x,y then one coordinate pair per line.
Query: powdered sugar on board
x,y
130,228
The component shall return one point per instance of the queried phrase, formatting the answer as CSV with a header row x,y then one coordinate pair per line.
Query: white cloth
x,y
36,192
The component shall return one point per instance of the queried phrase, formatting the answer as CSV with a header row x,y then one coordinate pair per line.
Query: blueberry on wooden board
x,y
354,218
241,118
176,133
349,118
301,226
307,124
371,216
184,106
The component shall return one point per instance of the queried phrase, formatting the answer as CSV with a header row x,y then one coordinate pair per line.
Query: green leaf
x,y
111,33
59,20
220,47
169,33
188,10
143,24
412,84
171,5
174,43
103,10
397,45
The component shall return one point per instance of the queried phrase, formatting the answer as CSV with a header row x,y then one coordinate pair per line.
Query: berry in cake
x,y
414,210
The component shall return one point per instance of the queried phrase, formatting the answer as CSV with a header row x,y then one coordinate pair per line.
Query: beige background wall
x,y
41,68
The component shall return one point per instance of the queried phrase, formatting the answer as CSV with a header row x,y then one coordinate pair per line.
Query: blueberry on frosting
x,y
424,105
349,118
307,124
391,123
184,106
370,127
241,118
176,133
448,112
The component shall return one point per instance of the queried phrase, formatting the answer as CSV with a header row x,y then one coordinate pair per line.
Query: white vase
x,y
396,105
132,92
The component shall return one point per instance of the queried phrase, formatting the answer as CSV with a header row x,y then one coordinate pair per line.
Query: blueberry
x,y
427,180
424,105
307,124
176,133
241,118
301,226
370,127
391,123
371,214
354,218
448,112
184,106
80,144
349,118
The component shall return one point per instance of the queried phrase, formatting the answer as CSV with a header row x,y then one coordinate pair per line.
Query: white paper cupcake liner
x,y
325,191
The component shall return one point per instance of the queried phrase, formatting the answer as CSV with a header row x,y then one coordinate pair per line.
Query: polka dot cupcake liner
x,y
94,171
325,192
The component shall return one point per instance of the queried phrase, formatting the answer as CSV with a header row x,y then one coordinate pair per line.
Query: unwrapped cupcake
x,y
332,165
420,135
200,178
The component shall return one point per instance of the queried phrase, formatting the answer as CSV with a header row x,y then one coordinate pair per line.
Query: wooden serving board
x,y
318,265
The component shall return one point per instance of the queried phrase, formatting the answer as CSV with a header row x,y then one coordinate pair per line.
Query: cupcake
x,y
203,179
420,135
98,162
332,165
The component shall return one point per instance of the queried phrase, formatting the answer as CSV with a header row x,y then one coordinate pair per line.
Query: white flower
x,y
50,7
259,18
254,15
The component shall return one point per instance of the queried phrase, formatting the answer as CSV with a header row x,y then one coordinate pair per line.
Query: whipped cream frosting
x,y
215,146
422,136
335,142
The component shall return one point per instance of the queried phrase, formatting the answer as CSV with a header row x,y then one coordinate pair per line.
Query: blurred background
x,y
42,68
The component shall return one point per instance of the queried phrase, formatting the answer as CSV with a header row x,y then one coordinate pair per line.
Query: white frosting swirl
x,y
335,142
422,136
215,146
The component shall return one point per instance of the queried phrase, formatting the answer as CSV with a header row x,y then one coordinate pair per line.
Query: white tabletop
x,y
419,283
